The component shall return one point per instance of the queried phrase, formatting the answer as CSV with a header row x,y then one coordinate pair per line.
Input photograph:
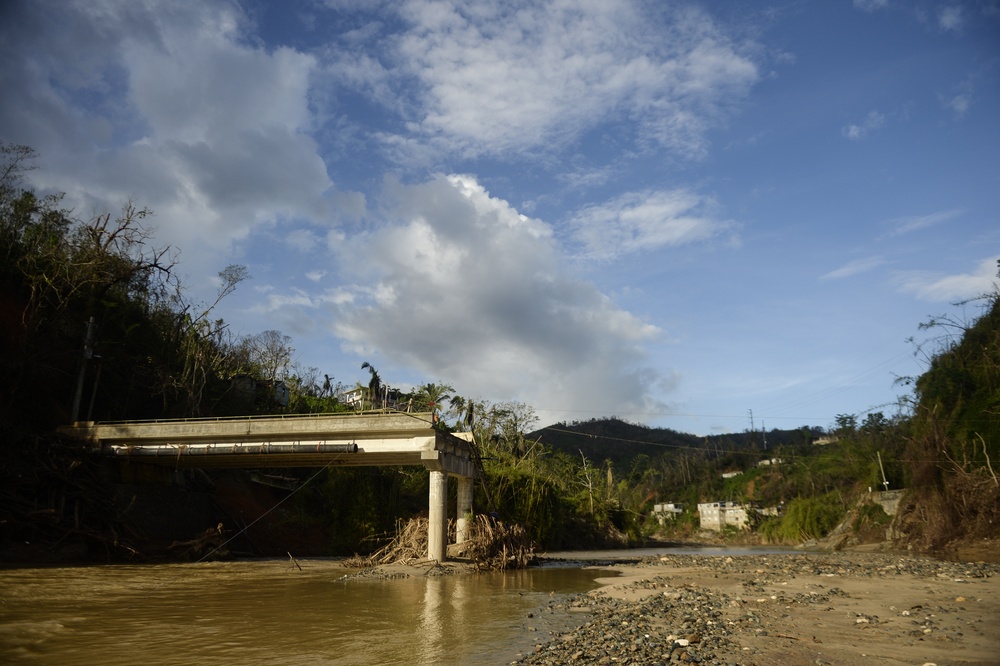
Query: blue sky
x,y
670,212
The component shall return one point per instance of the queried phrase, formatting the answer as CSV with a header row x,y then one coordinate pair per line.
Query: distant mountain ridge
x,y
619,441
613,439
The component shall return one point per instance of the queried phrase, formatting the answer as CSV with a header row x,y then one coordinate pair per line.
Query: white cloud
x,y
494,78
276,301
169,104
871,5
964,95
960,104
906,225
939,288
951,17
854,268
303,240
640,221
292,313
873,121
465,287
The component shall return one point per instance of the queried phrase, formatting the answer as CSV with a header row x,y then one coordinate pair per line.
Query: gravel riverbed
x,y
796,608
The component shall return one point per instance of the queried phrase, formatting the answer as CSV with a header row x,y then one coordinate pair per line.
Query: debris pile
x,y
492,546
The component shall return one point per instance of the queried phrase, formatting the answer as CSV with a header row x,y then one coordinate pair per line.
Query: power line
x,y
261,516
719,450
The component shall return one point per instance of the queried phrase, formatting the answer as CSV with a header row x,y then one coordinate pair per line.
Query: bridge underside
x,y
298,453
313,440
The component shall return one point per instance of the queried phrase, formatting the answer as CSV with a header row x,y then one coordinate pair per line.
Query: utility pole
x,y
885,481
88,353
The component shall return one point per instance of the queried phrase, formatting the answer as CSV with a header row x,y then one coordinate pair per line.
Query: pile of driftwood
x,y
495,546
491,546
409,546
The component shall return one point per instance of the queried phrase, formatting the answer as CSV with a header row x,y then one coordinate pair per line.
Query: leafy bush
x,y
805,518
870,514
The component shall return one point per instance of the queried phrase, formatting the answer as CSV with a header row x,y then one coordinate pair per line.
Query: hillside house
x,y
353,397
667,511
716,515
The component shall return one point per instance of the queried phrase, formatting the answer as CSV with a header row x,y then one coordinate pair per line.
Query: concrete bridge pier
x,y
437,514
463,521
437,517
441,463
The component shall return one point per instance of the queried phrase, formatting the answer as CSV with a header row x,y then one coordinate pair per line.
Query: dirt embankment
x,y
809,608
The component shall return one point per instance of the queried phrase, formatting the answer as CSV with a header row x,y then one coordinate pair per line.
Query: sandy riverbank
x,y
808,608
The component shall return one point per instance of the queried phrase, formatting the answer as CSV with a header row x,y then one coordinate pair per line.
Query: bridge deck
x,y
299,440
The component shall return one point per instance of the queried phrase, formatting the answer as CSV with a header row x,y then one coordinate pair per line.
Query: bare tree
x,y
269,354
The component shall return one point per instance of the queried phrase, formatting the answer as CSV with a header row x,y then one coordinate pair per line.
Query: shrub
x,y
805,518
870,514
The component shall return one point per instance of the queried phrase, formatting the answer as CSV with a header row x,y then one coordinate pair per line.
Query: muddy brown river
x,y
269,612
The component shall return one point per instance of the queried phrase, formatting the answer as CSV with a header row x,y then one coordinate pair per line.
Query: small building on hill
x,y
667,511
716,515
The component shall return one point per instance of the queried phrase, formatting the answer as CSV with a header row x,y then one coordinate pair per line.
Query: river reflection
x,y
269,612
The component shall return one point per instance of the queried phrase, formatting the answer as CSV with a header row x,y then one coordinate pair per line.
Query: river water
x,y
270,612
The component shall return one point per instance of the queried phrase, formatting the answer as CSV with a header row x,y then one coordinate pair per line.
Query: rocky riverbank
x,y
808,608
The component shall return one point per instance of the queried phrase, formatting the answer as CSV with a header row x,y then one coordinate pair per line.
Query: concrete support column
x,y
437,517
463,523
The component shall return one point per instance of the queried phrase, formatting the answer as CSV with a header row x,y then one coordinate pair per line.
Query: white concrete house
x,y
716,515
667,511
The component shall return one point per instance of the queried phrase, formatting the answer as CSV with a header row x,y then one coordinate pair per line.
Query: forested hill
x,y
611,439
620,442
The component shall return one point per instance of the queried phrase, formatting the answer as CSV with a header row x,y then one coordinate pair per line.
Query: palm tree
x,y
464,409
374,385
432,396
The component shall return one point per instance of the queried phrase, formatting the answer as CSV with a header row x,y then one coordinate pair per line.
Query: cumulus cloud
x,y
303,240
182,108
854,268
647,220
873,121
462,285
493,78
939,288
169,104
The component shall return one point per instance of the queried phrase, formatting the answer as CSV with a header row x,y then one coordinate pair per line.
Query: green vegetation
x,y
954,435
870,515
942,446
805,518
95,326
